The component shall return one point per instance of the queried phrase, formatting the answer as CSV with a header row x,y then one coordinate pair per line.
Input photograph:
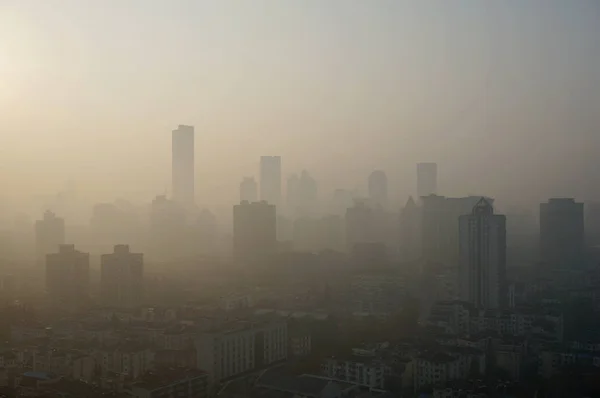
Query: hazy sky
x,y
504,95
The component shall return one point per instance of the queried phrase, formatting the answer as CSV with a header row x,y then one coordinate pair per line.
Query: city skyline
x,y
425,91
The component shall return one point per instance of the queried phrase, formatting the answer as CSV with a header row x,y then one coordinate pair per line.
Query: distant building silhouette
x,y
562,233
49,234
301,195
439,226
410,231
248,190
361,225
122,278
482,257
183,165
378,189
67,275
168,232
426,179
270,180
254,230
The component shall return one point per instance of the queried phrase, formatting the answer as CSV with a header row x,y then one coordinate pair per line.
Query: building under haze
x,y
482,257
67,275
49,234
361,225
122,278
270,180
301,195
410,231
426,179
248,190
562,233
378,189
439,226
254,230
183,166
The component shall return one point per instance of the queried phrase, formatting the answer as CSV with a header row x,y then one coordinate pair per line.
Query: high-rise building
x,y
301,195
68,274
270,180
248,190
562,233
378,189
183,165
439,226
49,234
426,179
482,257
254,230
122,277
410,231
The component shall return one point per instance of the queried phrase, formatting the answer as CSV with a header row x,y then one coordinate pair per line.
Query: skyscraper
x,y
482,257
49,234
248,190
254,230
562,233
68,274
410,231
378,188
426,179
301,195
183,165
270,180
122,277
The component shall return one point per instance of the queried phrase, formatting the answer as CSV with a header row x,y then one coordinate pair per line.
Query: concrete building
x,y
361,225
562,233
122,277
240,346
378,189
301,195
49,234
68,274
183,165
248,190
410,231
426,179
270,180
439,226
482,257
254,230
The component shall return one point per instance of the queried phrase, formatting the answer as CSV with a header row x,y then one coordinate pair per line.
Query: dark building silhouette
x,y
592,223
361,226
439,226
254,230
122,278
410,231
67,274
562,233
270,180
482,257
49,234
248,190
183,166
426,179
378,189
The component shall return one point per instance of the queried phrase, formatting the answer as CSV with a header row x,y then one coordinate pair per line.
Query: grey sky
x,y
504,95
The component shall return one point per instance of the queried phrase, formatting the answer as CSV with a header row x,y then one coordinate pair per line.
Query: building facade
x,y
183,165
68,274
49,234
482,257
270,180
562,233
122,277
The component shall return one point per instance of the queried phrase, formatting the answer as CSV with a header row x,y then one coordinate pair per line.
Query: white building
x,y
482,256
241,347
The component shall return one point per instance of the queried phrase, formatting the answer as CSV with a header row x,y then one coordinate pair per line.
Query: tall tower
x,y
49,234
378,188
426,179
270,180
183,165
482,257
122,277
562,233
